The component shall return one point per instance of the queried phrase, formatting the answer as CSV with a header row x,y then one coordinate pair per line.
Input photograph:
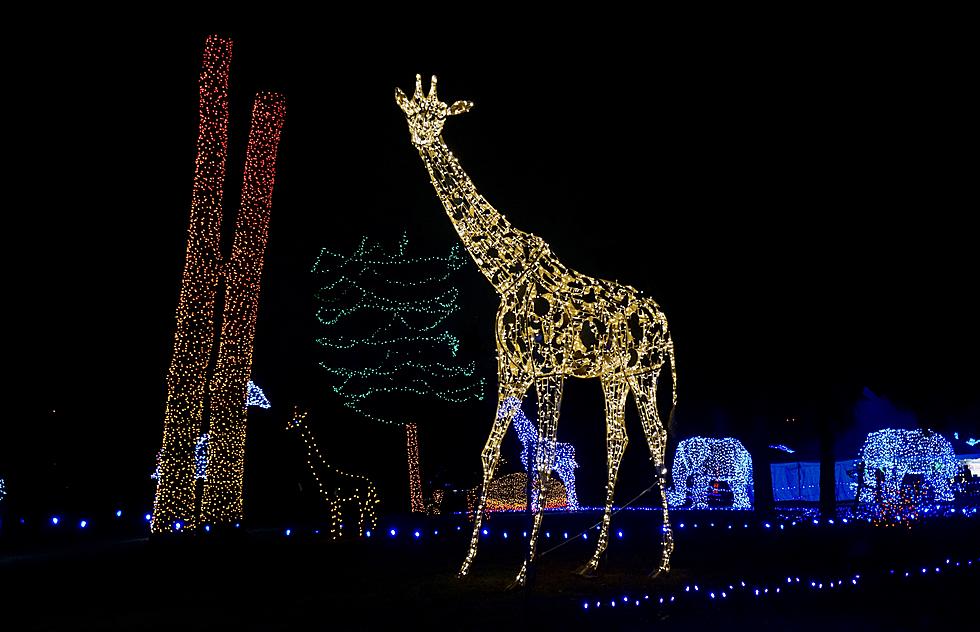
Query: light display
x,y
783,448
3,489
175,499
701,461
564,464
509,493
385,320
552,323
434,506
256,397
414,468
902,469
347,495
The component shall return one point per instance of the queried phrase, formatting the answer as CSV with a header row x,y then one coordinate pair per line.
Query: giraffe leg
x,y
490,457
645,393
614,391
549,401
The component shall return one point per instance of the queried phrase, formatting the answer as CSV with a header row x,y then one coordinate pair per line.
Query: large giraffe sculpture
x,y
552,323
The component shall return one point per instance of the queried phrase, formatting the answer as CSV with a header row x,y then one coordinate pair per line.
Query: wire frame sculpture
x,y
344,493
700,461
553,323
889,456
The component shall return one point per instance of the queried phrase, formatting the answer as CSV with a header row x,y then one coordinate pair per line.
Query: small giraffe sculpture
x,y
552,323
339,489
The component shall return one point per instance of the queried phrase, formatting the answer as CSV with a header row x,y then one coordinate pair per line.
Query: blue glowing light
x,y
147,517
207,528
255,396
563,464
392,533
780,446
178,526
119,513
418,534
367,533
289,532
705,461
55,520
890,455
83,524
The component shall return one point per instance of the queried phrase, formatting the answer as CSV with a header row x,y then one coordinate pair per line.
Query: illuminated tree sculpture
x,y
889,456
385,322
345,494
174,504
701,461
552,323
564,464
414,468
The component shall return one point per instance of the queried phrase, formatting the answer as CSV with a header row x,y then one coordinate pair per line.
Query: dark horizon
x,y
797,216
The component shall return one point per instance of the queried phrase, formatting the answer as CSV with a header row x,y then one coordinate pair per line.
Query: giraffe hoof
x,y
517,584
660,571
589,570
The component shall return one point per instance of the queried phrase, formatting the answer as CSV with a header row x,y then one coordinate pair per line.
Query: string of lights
x,y
174,503
509,493
564,463
256,397
890,457
701,461
385,318
223,495
3,489
187,377
343,492
720,592
552,323
414,468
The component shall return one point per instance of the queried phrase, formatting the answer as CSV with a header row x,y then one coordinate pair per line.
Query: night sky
x,y
798,207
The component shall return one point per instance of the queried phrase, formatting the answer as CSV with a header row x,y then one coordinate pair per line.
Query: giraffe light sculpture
x,y
343,492
552,323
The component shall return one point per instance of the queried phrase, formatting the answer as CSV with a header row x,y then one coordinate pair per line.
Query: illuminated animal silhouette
x,y
700,460
553,323
345,494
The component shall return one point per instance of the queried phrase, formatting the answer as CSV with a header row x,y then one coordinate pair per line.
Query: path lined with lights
x,y
722,591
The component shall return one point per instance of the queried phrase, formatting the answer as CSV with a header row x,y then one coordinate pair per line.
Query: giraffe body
x,y
553,323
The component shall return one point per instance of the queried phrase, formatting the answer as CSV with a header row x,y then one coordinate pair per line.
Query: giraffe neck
x,y
501,252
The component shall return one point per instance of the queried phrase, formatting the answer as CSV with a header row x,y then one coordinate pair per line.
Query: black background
x,y
796,199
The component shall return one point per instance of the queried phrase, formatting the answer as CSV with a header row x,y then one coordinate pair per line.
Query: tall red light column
x,y
174,504
222,502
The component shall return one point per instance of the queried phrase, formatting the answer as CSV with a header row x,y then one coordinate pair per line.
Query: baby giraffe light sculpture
x,y
552,323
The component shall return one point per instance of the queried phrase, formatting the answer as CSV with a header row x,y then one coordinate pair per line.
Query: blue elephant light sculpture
x,y
699,461
889,455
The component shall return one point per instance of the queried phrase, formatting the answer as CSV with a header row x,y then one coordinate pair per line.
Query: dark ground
x,y
262,580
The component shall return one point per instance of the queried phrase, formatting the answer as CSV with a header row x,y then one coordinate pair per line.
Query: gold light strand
x,y
509,493
222,502
552,323
414,468
340,490
174,503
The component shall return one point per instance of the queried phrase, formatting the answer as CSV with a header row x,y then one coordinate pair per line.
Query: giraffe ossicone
x,y
552,323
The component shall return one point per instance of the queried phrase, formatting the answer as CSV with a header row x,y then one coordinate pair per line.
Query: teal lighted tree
x,y
386,328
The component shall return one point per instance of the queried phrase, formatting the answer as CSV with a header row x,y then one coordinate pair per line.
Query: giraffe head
x,y
427,114
299,418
